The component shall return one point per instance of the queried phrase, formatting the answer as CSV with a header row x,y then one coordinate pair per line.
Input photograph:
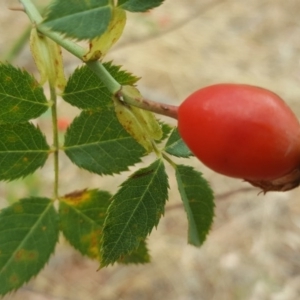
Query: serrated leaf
x,y
85,90
166,129
139,5
21,97
97,142
197,198
176,146
82,20
100,45
23,149
28,235
135,210
82,216
140,255
48,59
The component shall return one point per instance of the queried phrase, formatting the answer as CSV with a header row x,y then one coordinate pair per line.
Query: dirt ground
x,y
253,250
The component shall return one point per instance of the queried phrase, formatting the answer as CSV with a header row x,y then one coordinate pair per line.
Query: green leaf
x,y
135,210
197,198
97,142
166,129
23,149
80,19
140,255
85,90
21,97
176,146
139,5
28,235
82,216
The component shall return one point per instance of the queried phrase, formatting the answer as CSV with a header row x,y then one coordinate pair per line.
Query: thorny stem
x,y
55,140
113,86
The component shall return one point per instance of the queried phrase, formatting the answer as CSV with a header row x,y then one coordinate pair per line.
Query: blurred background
x,y
253,250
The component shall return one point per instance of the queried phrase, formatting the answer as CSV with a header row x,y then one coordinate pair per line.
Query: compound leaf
x,y
82,20
139,5
28,235
21,97
176,146
97,142
82,215
23,149
85,90
197,198
136,208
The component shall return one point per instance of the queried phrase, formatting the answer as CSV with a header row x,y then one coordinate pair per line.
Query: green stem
x,y
73,48
70,46
36,18
31,11
113,86
55,140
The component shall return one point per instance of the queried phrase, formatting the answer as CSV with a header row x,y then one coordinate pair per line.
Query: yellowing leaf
x,y
128,117
150,124
82,214
141,124
48,59
99,46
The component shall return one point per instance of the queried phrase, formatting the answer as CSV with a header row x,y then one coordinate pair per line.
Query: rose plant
x,y
115,129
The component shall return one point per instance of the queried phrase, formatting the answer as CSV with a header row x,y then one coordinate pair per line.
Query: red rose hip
x,y
245,132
